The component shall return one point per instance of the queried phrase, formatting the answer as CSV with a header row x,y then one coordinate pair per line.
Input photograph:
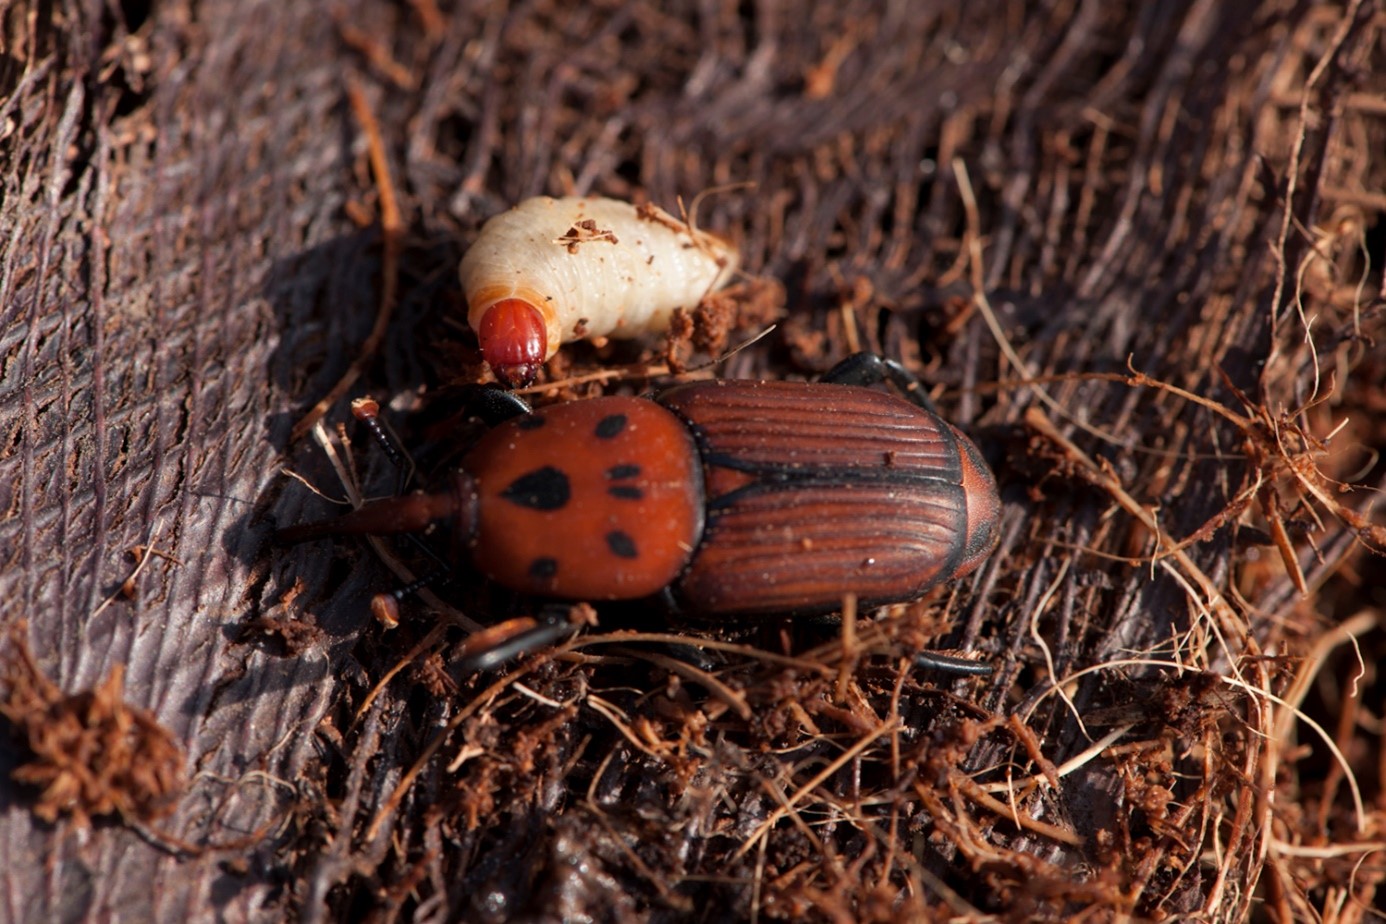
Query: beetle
x,y
551,271
723,498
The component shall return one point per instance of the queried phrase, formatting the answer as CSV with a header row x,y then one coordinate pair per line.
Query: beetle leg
x,y
496,405
952,664
929,660
873,369
498,645
704,659
670,601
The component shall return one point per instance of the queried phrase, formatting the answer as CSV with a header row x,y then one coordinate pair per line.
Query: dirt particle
x,y
91,754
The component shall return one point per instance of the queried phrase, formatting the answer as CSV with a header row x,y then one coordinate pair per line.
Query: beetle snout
x,y
983,505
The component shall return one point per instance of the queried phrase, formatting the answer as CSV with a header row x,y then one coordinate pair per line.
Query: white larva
x,y
550,271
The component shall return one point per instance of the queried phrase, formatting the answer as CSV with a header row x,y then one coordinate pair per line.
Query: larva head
x,y
514,341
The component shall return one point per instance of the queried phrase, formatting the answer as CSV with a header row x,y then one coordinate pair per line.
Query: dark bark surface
x,y
1021,202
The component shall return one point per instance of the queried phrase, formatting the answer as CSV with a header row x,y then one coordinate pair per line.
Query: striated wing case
x,y
814,490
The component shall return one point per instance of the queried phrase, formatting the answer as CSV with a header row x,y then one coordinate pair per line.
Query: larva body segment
x,y
550,271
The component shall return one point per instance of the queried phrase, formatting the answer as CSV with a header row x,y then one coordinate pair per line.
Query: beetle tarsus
x,y
868,369
494,406
952,664
503,643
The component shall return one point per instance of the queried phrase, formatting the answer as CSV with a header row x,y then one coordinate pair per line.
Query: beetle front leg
x,y
872,369
494,406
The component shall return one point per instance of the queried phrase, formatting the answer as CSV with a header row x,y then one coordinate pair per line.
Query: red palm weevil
x,y
724,497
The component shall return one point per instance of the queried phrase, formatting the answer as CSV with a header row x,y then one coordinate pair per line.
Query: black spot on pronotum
x,y
620,473
543,569
609,426
531,422
542,489
621,544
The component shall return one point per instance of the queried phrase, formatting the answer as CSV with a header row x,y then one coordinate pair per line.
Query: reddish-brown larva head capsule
x,y
513,341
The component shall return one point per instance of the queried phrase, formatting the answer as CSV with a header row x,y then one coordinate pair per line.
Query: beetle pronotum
x,y
550,271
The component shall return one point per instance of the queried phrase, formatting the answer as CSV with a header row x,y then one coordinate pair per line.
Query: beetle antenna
x,y
367,410
718,360
385,607
690,214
